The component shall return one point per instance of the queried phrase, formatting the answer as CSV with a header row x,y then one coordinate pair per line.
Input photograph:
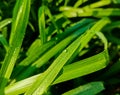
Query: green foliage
x,y
87,89
48,44
19,23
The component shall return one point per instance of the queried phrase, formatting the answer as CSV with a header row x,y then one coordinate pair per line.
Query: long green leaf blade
x,y
84,67
41,22
20,19
5,22
96,12
92,88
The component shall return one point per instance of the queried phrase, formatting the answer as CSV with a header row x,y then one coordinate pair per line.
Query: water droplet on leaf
x,y
65,50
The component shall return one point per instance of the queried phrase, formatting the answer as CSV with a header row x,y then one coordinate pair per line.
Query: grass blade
x,y
79,2
33,47
41,22
98,4
92,88
21,86
20,19
116,1
81,68
5,22
96,12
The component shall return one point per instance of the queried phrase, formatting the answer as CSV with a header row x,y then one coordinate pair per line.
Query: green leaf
x,y
41,22
92,88
19,24
116,1
21,86
96,12
97,4
33,47
5,22
79,2
84,67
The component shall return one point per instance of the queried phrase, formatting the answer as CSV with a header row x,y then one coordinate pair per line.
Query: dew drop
x,y
65,50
